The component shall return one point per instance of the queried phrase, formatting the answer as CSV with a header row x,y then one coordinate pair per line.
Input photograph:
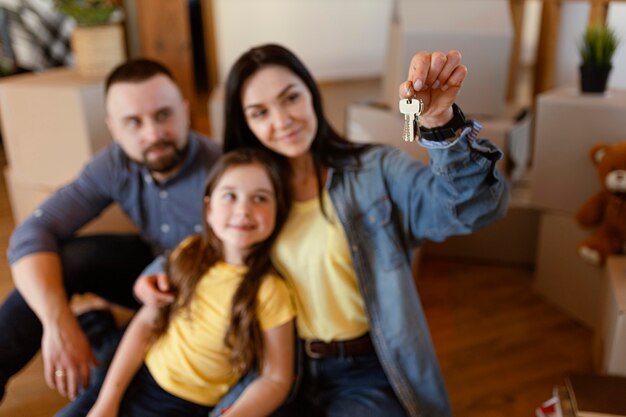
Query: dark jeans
x,y
106,265
143,398
344,387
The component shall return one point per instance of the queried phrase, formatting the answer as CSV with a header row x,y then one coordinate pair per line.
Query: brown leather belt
x,y
317,349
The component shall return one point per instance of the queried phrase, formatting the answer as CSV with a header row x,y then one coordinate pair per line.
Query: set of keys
x,y
411,108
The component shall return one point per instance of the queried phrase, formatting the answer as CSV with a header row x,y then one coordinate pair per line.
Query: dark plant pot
x,y
593,78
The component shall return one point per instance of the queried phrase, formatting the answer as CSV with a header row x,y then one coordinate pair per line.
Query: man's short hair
x,y
136,71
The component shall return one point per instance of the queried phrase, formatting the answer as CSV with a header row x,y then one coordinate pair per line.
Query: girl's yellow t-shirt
x,y
190,360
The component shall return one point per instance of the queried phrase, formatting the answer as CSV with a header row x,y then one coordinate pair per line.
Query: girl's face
x,y
241,210
278,108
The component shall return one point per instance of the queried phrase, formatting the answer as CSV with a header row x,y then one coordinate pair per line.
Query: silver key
x,y
411,108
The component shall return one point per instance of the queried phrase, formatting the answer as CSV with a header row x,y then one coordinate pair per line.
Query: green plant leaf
x,y
598,45
88,12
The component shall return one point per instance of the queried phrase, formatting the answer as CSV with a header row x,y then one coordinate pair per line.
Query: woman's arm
x,y
126,362
267,392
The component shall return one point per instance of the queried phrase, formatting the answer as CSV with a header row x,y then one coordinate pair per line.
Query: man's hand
x,y
67,356
436,79
154,290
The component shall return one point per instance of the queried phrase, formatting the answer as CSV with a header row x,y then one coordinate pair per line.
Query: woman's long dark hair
x,y
194,256
328,147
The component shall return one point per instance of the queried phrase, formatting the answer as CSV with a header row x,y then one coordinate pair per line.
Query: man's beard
x,y
164,163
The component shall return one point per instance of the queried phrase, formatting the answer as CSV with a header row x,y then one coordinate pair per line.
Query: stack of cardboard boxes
x,y
564,177
52,124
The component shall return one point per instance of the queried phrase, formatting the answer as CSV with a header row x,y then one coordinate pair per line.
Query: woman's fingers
x,y
452,62
456,78
406,90
419,69
433,71
437,63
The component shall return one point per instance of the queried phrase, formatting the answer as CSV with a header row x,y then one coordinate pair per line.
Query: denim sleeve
x,y
156,267
460,192
236,390
66,211
231,396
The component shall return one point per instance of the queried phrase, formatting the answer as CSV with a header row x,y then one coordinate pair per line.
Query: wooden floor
x,y
501,347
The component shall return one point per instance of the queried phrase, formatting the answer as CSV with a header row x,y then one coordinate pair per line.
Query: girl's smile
x,y
242,210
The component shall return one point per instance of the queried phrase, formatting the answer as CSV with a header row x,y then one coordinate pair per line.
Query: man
x,y
155,171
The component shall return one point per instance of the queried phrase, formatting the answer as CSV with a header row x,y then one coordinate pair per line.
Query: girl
x,y
231,312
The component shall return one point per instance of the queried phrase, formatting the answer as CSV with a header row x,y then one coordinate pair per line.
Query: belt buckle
x,y
309,352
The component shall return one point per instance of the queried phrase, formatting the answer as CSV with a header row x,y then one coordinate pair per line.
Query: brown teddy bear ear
x,y
597,152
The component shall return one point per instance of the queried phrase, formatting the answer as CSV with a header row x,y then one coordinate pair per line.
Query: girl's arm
x,y
268,391
126,362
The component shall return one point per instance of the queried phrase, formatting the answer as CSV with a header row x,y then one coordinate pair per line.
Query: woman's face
x,y
278,108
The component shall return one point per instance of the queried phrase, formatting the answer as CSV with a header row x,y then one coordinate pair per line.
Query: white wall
x,y
574,17
617,20
336,39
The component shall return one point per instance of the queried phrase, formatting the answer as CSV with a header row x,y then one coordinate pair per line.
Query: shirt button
x,y
197,228
147,178
165,228
38,213
163,194
354,248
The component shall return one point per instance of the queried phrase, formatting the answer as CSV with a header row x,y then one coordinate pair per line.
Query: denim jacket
x,y
388,205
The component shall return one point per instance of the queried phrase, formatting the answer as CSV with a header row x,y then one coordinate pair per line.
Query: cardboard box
x,y
561,276
371,123
25,196
611,335
568,124
480,29
511,240
52,124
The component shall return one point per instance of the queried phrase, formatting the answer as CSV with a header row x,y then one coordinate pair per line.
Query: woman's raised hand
x,y
436,78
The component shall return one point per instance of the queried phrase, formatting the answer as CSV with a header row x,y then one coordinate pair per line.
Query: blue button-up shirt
x,y
164,213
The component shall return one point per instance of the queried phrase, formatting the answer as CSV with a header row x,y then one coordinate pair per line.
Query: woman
x,y
358,214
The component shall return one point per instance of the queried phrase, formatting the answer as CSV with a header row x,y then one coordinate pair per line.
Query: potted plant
x,y
97,41
89,12
596,47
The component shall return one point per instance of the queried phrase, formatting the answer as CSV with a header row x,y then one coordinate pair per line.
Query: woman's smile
x,y
278,107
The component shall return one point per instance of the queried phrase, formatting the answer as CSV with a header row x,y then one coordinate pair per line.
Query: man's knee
x,y
104,264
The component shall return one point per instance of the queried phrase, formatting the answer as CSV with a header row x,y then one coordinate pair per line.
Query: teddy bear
x,y
607,208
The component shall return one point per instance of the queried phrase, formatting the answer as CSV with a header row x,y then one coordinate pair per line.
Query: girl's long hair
x,y
193,257
328,147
